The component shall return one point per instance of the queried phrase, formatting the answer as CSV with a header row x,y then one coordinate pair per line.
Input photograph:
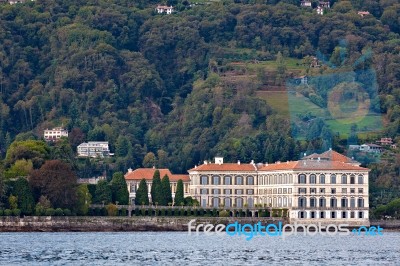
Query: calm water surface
x,y
173,248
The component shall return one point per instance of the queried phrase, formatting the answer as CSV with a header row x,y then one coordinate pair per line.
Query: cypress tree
x,y
166,190
103,192
156,188
179,196
142,196
119,189
24,194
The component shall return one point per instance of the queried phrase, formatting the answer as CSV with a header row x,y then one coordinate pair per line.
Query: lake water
x,y
178,248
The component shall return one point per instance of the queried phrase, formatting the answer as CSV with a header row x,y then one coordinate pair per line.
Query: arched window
x,y
239,202
322,202
250,180
228,180
333,203
360,179
344,179
250,202
280,179
227,202
204,180
333,179
360,203
322,179
352,179
302,179
239,180
215,180
352,203
313,202
302,202
344,203
313,179
215,202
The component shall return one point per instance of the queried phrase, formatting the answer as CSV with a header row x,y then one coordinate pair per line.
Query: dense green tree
x,y
149,160
179,194
156,189
103,193
22,191
119,189
84,199
166,191
34,150
142,193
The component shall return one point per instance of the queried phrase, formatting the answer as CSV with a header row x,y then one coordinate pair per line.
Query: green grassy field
x,y
294,106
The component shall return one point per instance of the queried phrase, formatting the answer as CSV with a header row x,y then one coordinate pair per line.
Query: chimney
x,y
205,162
154,167
219,160
238,162
252,162
195,166
130,170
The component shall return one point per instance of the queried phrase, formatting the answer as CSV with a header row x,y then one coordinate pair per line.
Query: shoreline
x,y
137,224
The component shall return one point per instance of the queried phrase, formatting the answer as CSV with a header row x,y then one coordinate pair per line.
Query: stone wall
x,y
103,224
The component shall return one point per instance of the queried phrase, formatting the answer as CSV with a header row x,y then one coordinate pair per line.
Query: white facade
x,y
94,149
326,188
55,133
164,9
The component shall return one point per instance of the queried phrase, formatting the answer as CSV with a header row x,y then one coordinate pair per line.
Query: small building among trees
x,y
133,178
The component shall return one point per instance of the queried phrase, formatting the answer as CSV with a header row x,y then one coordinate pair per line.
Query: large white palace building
x,y
326,188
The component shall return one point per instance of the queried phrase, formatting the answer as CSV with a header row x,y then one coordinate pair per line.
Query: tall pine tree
x,y
179,196
142,194
156,189
166,191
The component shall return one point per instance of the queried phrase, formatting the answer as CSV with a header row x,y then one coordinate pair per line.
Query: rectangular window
x,y
360,190
250,192
285,191
227,191
239,191
313,190
360,179
344,190
215,191
352,190
279,191
302,190
204,191
290,191
333,190
322,190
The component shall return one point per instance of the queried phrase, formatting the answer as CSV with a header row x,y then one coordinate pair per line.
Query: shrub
x,y
58,212
39,210
123,212
7,212
112,209
67,212
50,212
16,212
1,212
223,213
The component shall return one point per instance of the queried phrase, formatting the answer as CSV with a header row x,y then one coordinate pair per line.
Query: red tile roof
x,y
224,167
308,165
331,156
148,173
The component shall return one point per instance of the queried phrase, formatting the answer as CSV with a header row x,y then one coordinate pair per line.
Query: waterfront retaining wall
x,y
104,224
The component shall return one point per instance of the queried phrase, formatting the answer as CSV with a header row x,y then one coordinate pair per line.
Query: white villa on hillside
x,y
55,133
94,149
164,9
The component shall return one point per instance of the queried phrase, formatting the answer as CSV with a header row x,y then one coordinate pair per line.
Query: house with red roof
x,y
133,178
